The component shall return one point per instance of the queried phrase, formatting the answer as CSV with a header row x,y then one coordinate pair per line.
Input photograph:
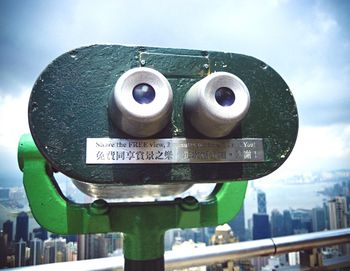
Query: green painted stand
x,y
144,224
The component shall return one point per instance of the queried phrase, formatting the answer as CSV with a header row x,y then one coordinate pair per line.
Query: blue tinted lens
x,y
224,96
143,93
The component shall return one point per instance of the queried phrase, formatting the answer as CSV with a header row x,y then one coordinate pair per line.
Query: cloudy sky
x,y
307,42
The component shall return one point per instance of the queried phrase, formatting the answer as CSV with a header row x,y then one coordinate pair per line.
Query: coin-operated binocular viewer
x,y
135,121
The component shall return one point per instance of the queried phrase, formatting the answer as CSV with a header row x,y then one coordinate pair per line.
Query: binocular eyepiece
x,y
141,103
216,104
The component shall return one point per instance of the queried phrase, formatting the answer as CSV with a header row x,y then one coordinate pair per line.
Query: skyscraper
x,y
348,206
261,202
287,223
338,213
114,241
326,213
36,251
40,233
60,250
237,225
92,246
318,219
20,253
338,218
277,228
49,251
8,229
22,227
55,250
72,250
302,220
3,249
261,227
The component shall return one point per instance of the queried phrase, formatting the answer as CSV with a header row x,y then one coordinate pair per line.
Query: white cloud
x,y
318,148
303,42
321,94
318,31
326,143
13,118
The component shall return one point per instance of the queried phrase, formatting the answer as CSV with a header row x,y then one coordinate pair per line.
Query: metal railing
x,y
215,254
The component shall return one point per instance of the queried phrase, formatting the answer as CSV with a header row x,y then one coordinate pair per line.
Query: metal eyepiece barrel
x,y
216,104
141,102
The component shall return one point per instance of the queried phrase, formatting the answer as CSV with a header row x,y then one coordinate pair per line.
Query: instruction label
x,y
173,150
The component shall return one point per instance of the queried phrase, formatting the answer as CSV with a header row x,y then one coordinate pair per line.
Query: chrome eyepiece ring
x,y
216,104
141,102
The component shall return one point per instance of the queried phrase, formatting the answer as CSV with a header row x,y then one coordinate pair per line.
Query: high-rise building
x,y
98,247
296,226
338,213
22,227
348,206
40,233
261,202
55,250
277,225
36,251
8,229
92,246
114,242
238,226
326,214
70,238
61,250
3,249
49,251
250,228
81,247
338,219
287,223
302,221
20,253
200,236
169,238
72,251
261,227
318,219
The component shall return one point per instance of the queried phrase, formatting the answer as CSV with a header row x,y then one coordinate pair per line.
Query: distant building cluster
x,y
19,247
333,214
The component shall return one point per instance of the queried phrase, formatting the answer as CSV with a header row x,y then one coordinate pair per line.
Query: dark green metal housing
x,y
69,103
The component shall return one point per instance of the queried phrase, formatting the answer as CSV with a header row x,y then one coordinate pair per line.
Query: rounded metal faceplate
x,y
71,103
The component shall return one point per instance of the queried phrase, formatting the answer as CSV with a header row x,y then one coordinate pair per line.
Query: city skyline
x,y
309,195
37,247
